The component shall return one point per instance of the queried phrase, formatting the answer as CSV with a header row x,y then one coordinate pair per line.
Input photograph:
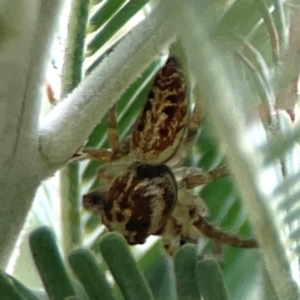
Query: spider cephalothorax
x,y
138,203
144,197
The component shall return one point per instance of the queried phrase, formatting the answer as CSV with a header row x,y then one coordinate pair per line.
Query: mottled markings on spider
x,y
143,198
161,124
138,202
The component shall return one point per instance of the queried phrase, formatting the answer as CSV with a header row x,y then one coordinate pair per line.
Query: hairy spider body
x,y
160,126
138,202
145,198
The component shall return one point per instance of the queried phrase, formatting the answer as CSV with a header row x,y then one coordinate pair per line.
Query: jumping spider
x,y
148,191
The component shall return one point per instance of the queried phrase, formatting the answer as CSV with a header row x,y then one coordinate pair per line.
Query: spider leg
x,y
95,154
117,150
199,222
217,234
112,132
171,236
179,228
194,180
194,124
189,138
189,223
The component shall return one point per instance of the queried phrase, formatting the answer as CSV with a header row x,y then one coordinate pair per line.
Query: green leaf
x,y
119,20
90,275
104,13
269,22
242,271
73,60
70,207
210,280
155,261
185,271
281,24
49,264
7,289
120,261
22,289
237,18
281,144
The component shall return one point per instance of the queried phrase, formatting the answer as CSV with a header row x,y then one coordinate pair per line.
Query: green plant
x,y
193,275
241,56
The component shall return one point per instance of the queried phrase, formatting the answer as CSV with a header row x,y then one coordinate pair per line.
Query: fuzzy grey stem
x,y
68,125
40,50
17,38
243,140
25,28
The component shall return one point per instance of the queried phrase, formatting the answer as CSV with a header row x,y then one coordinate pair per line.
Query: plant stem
x,y
69,177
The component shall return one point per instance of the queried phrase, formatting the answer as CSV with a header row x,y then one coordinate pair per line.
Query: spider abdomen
x,y
161,124
140,201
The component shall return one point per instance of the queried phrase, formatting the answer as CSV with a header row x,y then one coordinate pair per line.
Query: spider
x,y
147,190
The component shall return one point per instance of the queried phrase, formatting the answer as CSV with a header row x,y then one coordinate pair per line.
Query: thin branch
x,y
272,30
70,200
74,52
282,24
288,96
268,110
69,123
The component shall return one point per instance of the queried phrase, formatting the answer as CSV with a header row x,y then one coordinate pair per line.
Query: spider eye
x,y
94,201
